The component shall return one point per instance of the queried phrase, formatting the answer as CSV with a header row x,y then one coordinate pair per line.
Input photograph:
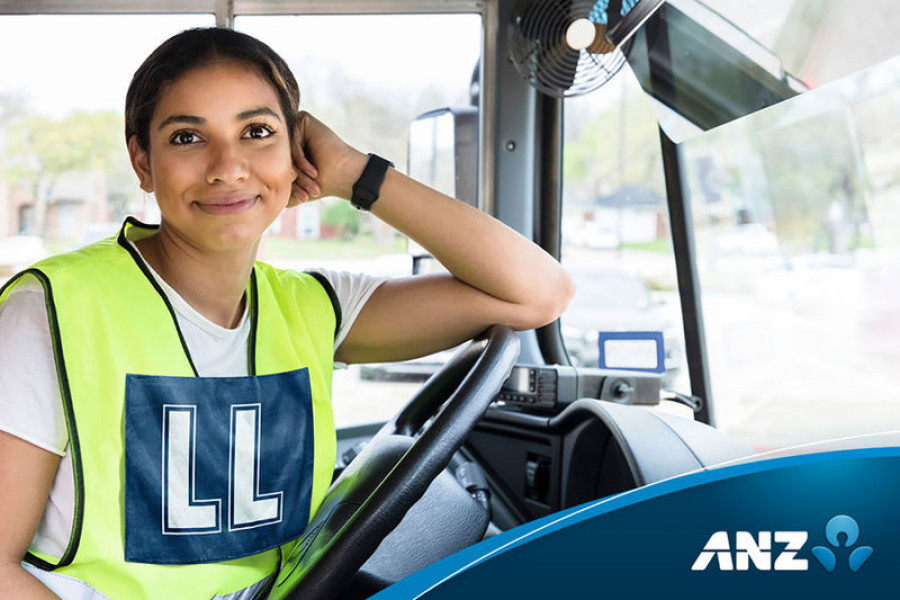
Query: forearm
x,y
16,582
499,276
476,248
27,473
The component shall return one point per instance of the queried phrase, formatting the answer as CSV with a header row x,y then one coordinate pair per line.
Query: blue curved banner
x,y
818,525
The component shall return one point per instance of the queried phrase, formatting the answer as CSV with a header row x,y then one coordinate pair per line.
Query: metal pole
x,y
548,220
681,223
487,90
225,13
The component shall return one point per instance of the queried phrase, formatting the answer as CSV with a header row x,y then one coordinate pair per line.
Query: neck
x,y
213,283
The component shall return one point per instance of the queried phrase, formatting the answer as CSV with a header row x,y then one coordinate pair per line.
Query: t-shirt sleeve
x,y
352,290
30,399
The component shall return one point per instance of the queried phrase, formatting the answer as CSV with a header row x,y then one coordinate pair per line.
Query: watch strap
x,y
368,186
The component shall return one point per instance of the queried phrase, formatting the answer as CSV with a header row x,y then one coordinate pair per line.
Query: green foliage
x,y
613,148
660,246
810,169
37,147
342,217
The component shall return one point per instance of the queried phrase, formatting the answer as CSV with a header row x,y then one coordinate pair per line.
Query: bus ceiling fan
x,y
571,47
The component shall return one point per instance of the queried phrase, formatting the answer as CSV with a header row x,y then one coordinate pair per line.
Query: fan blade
x,y
600,45
559,46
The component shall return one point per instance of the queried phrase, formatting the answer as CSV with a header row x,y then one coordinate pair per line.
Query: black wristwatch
x,y
367,187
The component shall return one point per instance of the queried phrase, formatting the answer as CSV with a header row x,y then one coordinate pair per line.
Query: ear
x,y
140,162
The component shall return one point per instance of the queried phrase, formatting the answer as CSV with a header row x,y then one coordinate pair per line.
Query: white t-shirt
x,y
30,399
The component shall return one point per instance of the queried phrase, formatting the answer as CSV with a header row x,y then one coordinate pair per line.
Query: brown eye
x,y
258,132
183,138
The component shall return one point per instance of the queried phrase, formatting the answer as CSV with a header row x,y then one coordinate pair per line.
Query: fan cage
x,y
540,52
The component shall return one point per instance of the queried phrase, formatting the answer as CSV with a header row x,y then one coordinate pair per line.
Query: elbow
x,y
550,303
562,293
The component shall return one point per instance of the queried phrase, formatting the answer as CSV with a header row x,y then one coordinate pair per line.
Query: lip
x,y
227,205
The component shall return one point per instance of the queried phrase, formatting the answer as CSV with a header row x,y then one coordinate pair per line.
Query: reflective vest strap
x,y
248,593
71,588
65,586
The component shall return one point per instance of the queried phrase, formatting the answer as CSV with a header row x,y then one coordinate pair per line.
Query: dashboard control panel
x,y
550,388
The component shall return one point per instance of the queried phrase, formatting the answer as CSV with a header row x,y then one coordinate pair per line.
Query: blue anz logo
x,y
739,551
845,526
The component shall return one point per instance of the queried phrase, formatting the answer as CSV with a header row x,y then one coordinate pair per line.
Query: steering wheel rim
x,y
352,521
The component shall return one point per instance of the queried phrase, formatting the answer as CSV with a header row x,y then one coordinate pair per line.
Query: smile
x,y
227,205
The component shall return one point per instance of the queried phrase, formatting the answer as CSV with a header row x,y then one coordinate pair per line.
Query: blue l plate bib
x,y
216,468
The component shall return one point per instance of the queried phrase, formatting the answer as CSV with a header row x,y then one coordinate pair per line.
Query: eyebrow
x,y
183,119
243,116
263,110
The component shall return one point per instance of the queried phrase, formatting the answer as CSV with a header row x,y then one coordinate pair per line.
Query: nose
x,y
226,164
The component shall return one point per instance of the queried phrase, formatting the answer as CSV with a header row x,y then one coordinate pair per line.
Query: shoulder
x,y
23,295
97,258
24,324
285,279
349,292
347,284
294,288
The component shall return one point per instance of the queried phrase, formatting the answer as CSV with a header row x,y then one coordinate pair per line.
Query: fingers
x,y
304,167
303,189
297,198
298,149
307,183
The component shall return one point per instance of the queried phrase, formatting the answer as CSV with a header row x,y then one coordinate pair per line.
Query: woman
x,y
166,425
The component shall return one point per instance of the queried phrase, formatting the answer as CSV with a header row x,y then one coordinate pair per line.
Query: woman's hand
x,y
326,165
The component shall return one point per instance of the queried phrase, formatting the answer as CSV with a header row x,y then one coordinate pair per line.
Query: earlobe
x,y
140,162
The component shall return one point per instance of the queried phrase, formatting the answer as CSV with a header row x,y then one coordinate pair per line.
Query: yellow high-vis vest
x,y
112,328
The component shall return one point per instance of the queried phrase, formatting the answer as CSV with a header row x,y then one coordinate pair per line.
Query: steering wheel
x,y
382,483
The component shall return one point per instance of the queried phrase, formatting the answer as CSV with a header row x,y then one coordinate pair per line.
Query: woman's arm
x,y
27,474
497,275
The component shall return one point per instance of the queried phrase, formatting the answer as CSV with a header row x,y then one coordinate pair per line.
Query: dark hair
x,y
195,48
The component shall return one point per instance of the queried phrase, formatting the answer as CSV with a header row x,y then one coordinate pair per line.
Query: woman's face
x,y
219,161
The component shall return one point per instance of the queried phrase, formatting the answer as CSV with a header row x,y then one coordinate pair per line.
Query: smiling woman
x,y
219,163
220,141
169,396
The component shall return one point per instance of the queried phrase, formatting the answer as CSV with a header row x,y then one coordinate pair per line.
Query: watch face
x,y
365,190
